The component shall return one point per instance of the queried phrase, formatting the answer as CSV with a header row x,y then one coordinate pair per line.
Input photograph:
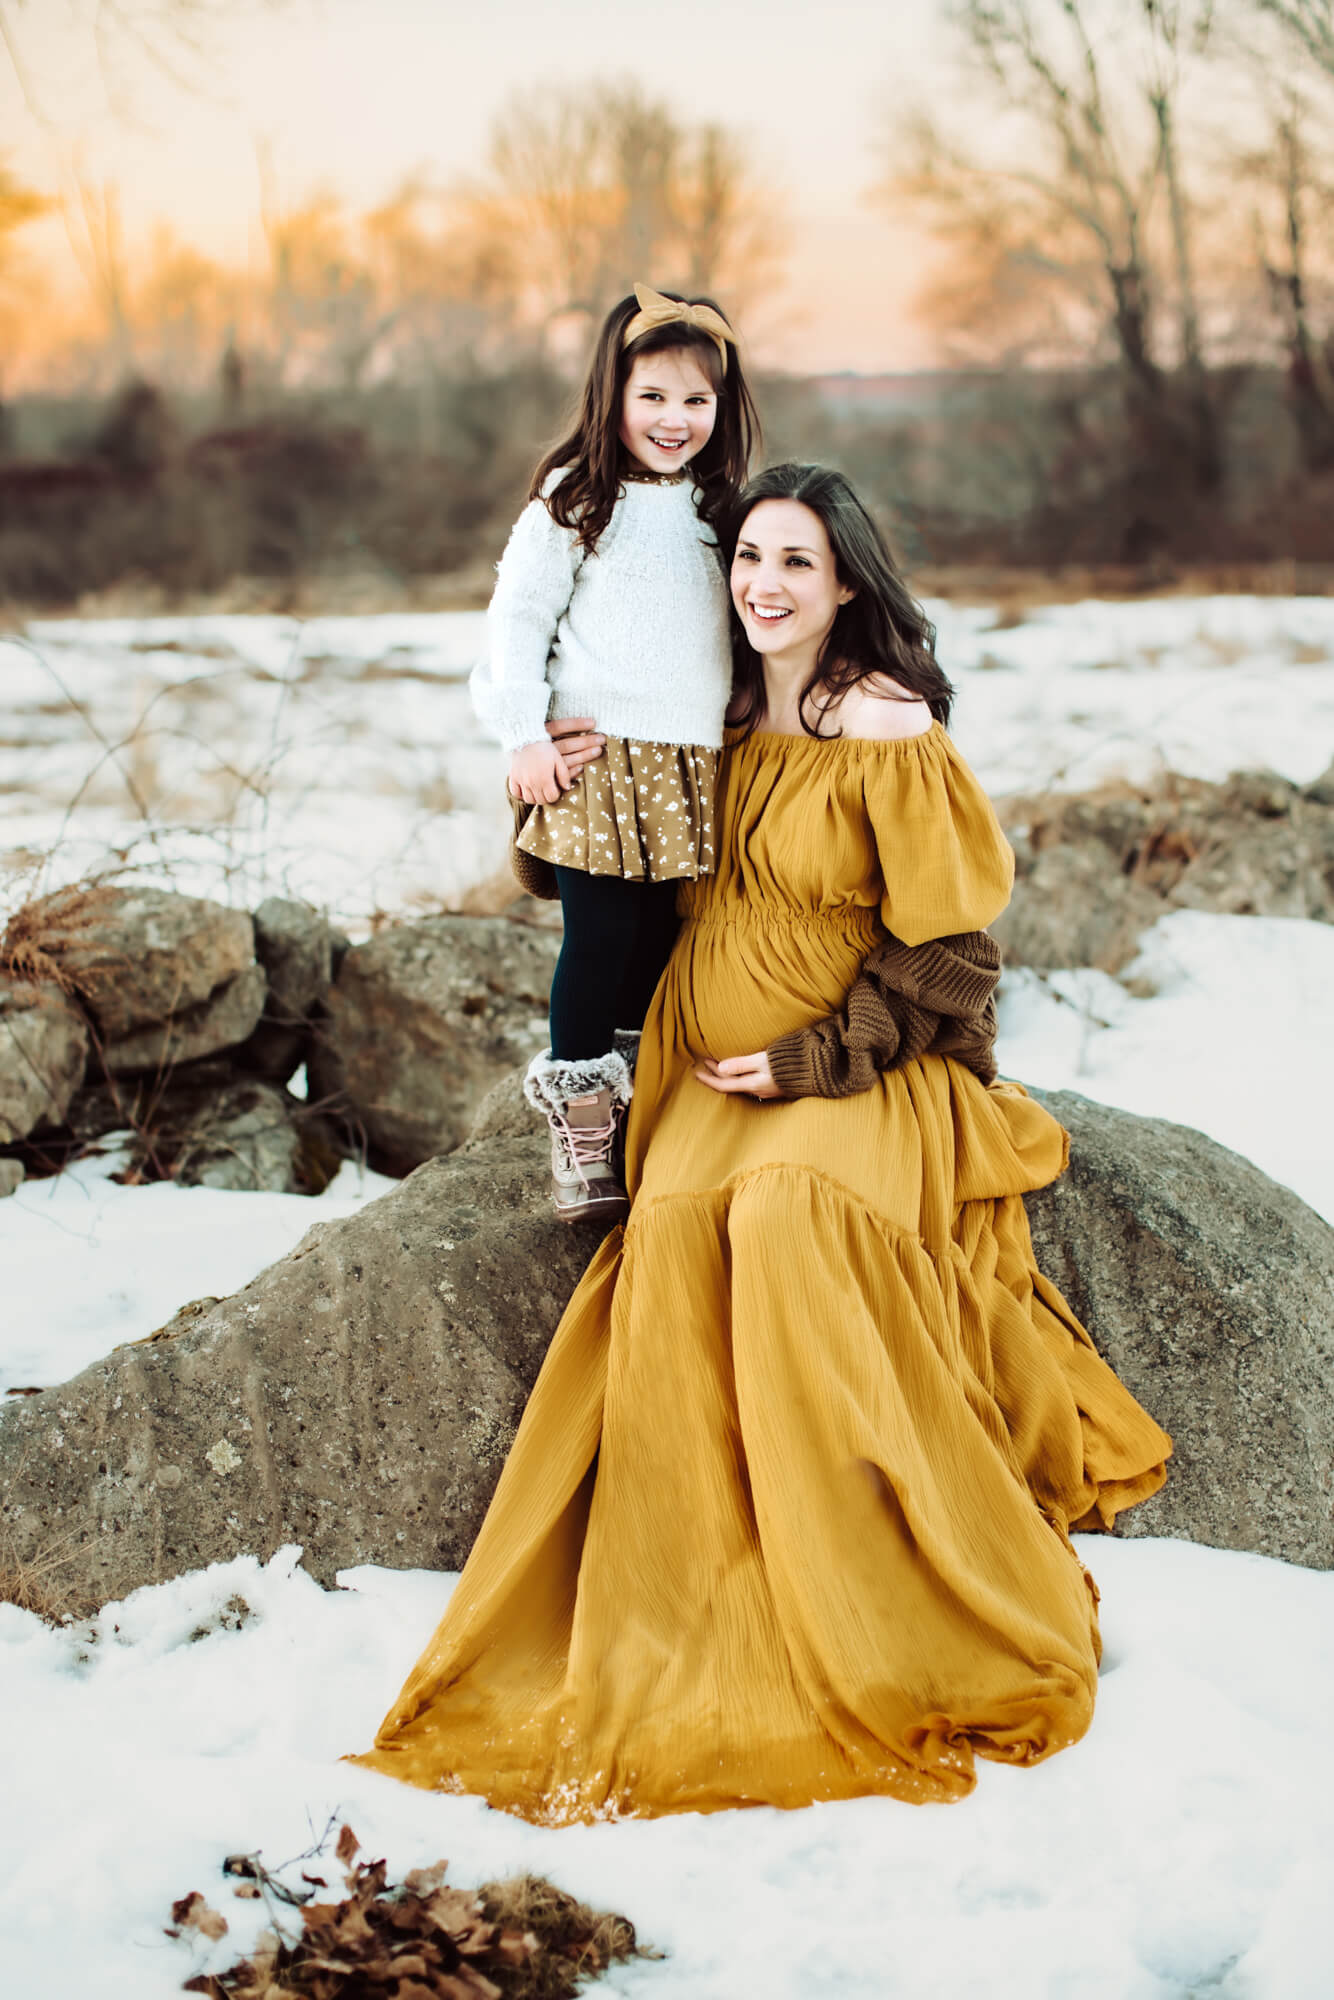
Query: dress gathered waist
x,y
720,915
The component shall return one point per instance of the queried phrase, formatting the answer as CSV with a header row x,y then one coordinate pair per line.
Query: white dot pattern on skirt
x,y
642,810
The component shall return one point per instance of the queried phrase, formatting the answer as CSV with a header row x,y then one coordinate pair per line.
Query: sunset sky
x,y
356,94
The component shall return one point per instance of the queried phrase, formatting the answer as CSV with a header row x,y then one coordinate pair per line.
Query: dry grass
x,y
34,1584
351,594
1014,589
574,1941
44,934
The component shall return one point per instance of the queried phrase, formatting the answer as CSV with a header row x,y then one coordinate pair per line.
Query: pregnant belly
x,y
734,987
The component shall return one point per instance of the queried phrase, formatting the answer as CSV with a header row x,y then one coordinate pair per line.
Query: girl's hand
x,y
578,740
539,774
740,1076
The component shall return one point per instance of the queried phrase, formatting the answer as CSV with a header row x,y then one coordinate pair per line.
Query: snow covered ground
x,y
338,759
1179,1851
1235,1039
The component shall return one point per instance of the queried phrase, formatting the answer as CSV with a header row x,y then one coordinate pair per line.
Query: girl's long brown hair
x,y
593,454
880,630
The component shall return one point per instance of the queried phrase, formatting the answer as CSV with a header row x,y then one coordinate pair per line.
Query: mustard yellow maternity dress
x,y
786,1515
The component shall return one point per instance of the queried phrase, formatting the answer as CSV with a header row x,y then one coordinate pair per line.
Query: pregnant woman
x,y
787,1515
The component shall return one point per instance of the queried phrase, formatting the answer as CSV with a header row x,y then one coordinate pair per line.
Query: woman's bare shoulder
x,y
878,710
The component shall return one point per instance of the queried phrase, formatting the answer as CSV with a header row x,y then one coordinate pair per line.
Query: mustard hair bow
x,y
655,310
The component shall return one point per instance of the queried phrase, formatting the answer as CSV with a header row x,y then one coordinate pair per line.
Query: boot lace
x,y
587,1145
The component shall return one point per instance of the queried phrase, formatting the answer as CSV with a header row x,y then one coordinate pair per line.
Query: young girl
x,y
611,603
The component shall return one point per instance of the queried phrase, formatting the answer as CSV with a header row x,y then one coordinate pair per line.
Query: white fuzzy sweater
x,y
635,635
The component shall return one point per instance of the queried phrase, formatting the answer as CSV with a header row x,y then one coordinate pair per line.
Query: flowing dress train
x,y
787,1514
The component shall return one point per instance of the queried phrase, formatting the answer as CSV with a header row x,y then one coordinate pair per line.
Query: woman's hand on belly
x,y
739,1076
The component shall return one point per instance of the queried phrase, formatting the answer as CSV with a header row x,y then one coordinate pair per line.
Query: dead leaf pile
x,y
421,1940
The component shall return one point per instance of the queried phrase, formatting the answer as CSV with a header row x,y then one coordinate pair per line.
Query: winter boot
x,y
584,1104
626,1043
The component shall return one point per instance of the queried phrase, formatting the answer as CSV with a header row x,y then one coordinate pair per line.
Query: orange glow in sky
x,y
357,94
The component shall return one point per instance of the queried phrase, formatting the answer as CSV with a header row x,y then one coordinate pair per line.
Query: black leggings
x,y
618,936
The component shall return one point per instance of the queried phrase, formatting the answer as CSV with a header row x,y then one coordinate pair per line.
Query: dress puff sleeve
x,y
946,867
535,580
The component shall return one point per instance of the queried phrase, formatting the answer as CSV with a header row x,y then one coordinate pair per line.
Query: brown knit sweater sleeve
x,y
936,998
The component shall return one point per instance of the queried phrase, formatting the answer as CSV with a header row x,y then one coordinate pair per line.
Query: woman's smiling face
x,y
785,583
668,409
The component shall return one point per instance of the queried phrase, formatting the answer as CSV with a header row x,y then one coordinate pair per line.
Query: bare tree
x,y
454,274
1093,156
92,222
408,287
1291,182
185,309
602,186
1178,30
1311,22
1020,277
726,220
321,304
18,204
127,40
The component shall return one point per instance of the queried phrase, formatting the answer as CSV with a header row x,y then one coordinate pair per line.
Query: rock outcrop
x,y
1095,870
252,1137
300,954
179,1021
221,1021
422,1020
43,1053
141,956
1210,1289
359,1396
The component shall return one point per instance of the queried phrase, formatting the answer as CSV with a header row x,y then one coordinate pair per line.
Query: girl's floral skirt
x,y
643,811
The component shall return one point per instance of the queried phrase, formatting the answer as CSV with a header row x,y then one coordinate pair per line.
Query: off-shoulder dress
x,y
787,1515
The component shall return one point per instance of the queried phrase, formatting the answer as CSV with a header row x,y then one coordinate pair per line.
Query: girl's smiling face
x,y
668,409
785,582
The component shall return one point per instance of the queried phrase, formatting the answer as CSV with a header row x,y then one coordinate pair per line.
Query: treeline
x,y
1146,185
1131,204
1028,468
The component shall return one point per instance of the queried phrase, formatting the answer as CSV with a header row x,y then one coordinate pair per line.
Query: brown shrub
x,y
41,933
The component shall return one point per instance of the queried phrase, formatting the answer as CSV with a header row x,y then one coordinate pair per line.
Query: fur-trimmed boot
x,y
626,1043
584,1104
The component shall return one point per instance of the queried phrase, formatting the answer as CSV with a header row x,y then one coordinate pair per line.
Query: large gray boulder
x,y
247,1138
229,1014
43,1050
139,956
359,1396
164,979
297,948
1210,1290
422,1020
202,1125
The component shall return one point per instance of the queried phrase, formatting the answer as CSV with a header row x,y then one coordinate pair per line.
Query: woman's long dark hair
x,y
881,630
593,451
